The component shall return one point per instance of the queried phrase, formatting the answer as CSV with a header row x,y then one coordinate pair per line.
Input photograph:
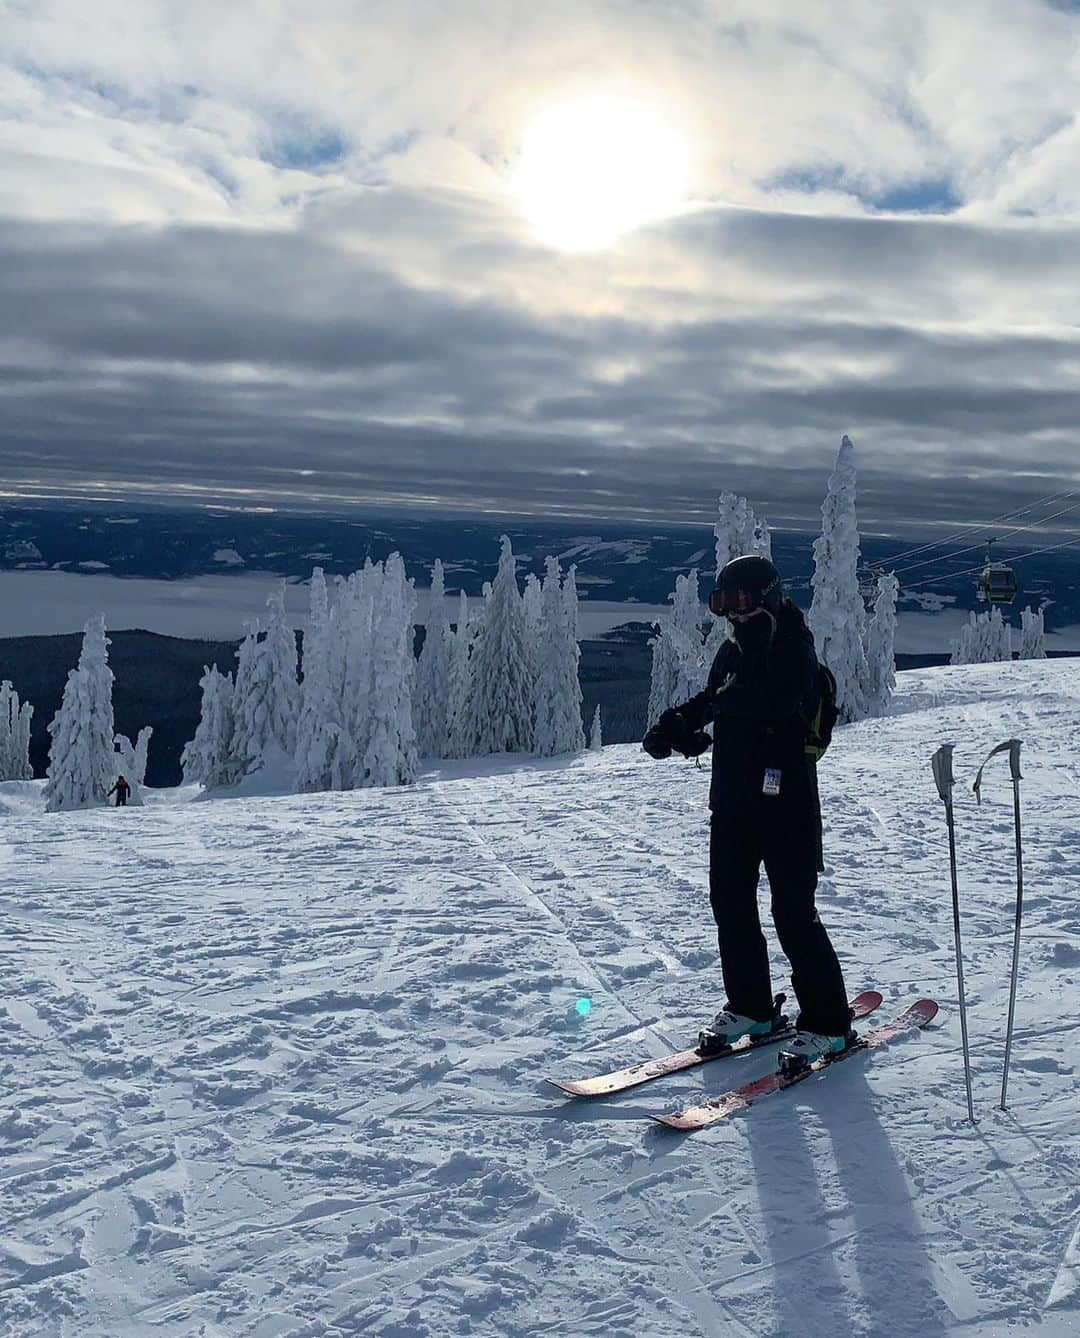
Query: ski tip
x,y
677,1122
866,1002
923,1011
568,1088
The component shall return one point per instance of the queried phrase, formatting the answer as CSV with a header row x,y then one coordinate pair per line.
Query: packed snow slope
x,y
273,1065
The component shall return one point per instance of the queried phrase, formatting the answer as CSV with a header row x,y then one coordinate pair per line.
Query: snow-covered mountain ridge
x,y
272,1065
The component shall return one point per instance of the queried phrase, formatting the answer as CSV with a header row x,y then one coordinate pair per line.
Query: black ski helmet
x,y
745,584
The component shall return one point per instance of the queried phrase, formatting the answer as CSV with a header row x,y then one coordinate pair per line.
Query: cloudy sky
x,y
571,257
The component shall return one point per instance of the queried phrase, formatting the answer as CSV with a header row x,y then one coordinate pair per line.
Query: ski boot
x,y
807,1048
729,1027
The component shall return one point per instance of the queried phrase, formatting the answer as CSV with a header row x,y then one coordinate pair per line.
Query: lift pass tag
x,y
772,781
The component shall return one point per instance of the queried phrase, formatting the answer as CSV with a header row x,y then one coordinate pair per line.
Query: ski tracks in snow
x,y
272,1066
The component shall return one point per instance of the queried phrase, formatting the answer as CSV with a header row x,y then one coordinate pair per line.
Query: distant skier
x,y
121,789
761,692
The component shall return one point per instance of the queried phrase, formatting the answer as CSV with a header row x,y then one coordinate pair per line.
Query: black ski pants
x,y
784,839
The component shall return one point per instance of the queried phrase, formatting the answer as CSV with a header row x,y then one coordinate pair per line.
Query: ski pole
x,y
943,777
1012,746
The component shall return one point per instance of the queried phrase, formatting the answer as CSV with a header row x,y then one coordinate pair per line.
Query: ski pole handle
x,y
943,772
1012,747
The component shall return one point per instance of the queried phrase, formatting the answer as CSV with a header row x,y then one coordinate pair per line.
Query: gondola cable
x,y
1019,529
955,575
967,531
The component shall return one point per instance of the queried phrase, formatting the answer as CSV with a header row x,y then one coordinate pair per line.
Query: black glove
x,y
656,743
671,732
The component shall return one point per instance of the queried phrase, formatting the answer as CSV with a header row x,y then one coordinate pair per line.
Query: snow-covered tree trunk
x,y
20,747
881,645
682,653
458,670
390,757
1032,635
251,703
320,707
545,646
571,664
14,735
837,616
433,676
9,713
209,759
688,641
130,762
558,690
663,677
596,735
81,769
500,707
283,689
358,600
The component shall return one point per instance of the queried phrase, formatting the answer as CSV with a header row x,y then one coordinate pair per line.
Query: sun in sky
x,y
592,168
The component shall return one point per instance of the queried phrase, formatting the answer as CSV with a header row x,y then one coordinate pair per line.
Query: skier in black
x,y
761,692
121,789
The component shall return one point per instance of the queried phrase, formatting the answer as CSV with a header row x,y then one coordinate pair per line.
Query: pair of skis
x,y
916,1016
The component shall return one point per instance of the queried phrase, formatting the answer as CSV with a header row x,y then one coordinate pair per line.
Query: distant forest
x,y
157,683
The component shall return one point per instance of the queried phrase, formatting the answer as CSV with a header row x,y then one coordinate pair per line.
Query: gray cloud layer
x,y
329,299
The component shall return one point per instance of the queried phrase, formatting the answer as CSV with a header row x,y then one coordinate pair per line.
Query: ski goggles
x,y
723,602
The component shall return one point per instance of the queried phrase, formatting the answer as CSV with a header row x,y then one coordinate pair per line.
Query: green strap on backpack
x,y
819,728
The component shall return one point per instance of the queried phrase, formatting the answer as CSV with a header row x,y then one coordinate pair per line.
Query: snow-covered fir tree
x,y
14,735
1032,635
985,639
500,702
432,706
390,757
533,600
357,598
81,768
279,650
575,730
558,690
687,630
738,532
881,645
209,758
680,665
663,677
130,762
20,748
249,691
837,615
320,706
545,623
596,733
457,672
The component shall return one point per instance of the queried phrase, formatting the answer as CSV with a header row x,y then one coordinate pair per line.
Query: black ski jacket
x,y
758,717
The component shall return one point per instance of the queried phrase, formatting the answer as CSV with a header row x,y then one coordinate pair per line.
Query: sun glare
x,y
594,168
